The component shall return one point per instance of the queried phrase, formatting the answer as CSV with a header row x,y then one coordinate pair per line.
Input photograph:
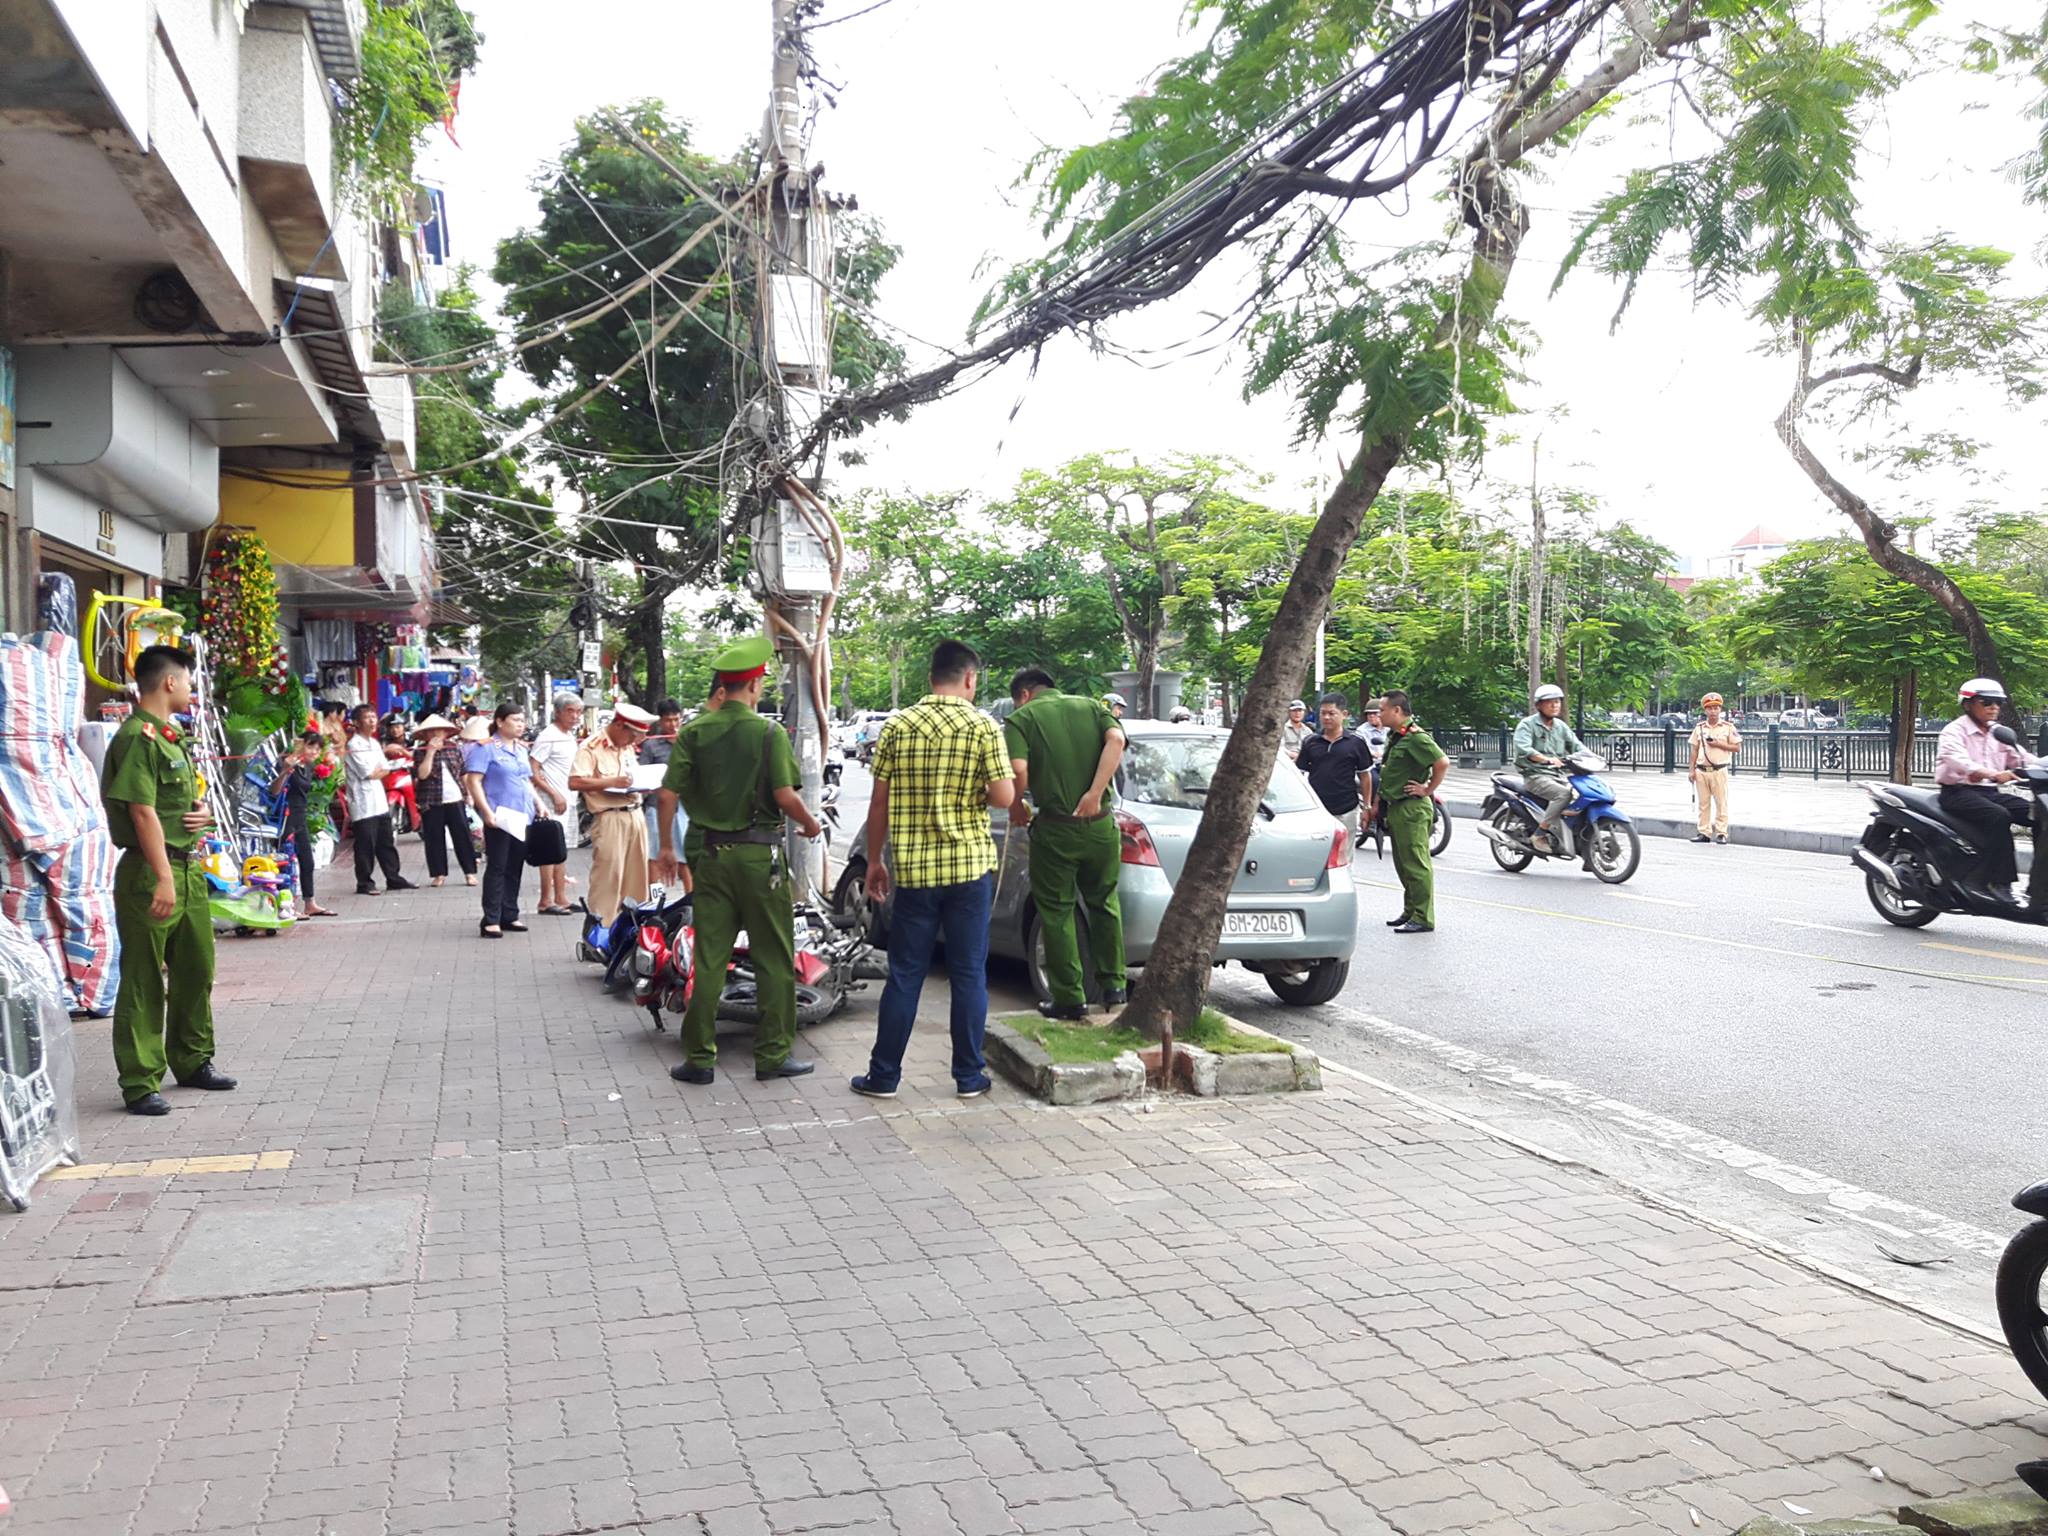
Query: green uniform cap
x,y
748,655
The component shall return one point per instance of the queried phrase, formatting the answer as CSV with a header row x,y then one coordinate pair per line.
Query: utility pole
x,y
1537,569
797,554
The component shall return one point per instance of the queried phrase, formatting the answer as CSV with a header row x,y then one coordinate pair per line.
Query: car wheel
x,y
1311,987
1034,960
850,899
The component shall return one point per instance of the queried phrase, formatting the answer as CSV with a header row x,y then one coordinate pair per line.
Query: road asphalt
x,y
1734,1029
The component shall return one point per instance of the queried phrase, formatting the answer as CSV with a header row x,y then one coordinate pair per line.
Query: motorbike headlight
x,y
643,962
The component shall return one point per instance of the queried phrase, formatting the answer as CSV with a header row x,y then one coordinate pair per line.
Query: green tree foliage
x,y
502,557
1836,626
667,373
1769,217
413,54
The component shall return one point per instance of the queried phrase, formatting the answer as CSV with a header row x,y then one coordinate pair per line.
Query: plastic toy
x,y
255,899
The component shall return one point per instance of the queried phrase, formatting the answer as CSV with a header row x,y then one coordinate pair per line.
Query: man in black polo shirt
x,y
1338,764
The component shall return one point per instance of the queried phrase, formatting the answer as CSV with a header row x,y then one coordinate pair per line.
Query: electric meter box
x,y
791,558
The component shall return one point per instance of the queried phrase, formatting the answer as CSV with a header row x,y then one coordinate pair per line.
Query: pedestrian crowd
x,y
702,806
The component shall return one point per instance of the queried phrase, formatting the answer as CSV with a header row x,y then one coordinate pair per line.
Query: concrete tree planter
x,y
1025,1061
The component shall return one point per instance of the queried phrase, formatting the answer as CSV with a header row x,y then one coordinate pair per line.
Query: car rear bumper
x,y
1328,914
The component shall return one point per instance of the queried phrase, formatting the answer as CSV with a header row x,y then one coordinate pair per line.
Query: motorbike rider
x,y
1114,703
1542,743
1969,765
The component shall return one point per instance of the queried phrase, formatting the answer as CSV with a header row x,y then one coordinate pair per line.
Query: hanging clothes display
x,y
57,876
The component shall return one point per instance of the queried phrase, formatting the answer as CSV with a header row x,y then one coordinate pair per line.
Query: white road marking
x,y
1850,1201
1661,901
1854,933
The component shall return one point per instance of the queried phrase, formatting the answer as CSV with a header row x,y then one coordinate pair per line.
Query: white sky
x,y
1669,422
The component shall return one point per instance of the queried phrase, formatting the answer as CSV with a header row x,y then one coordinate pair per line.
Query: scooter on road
x,y
1918,863
1595,831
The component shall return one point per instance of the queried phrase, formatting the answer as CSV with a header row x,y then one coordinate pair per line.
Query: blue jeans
x,y
922,915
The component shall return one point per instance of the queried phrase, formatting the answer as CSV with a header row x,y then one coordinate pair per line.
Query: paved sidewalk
x,y
524,1285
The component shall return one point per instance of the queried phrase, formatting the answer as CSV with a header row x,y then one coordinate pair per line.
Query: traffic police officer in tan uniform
x,y
156,818
735,774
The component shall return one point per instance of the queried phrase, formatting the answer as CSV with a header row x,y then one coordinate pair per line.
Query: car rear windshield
x,y
1176,770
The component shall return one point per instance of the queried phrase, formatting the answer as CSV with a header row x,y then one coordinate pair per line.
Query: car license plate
x,y
1260,925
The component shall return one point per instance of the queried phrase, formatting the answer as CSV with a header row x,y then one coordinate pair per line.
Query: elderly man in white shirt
x,y
369,808
554,754
1969,765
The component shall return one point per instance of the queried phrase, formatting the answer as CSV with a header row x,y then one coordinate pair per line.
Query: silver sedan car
x,y
1293,912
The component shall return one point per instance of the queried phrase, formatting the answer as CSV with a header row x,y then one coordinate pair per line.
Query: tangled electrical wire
x,y
1338,144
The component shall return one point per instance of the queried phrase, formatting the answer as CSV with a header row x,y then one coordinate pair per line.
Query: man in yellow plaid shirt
x,y
939,766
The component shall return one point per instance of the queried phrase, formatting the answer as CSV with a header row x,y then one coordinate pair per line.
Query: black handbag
x,y
546,843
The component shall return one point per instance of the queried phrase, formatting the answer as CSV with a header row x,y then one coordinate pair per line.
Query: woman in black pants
x,y
295,781
444,809
498,774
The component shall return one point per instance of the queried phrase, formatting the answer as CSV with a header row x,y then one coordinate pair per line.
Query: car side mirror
x,y
2006,734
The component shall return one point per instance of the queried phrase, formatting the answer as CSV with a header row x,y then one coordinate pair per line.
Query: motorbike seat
x,y
1927,802
1510,783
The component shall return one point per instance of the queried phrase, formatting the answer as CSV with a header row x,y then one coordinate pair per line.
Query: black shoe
x,y
698,1075
868,1088
1070,1012
208,1076
1723,838
515,926
149,1104
1411,926
1115,998
400,884
368,890
1395,922
1702,838
489,930
787,1069
973,1088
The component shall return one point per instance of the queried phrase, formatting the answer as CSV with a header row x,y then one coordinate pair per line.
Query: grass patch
x,y
1211,1033
1066,1042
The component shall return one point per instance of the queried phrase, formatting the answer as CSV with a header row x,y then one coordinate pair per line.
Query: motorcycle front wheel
x,y
1897,908
1513,860
813,1005
1616,852
2020,1314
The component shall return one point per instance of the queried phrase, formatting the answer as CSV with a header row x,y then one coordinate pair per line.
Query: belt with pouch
x,y
753,837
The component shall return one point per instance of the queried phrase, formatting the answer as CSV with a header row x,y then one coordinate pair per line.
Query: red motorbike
x,y
832,962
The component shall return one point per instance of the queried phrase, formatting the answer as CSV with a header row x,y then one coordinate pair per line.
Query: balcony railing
x,y
1773,753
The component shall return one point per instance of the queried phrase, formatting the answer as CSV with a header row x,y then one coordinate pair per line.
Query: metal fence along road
x,y
1774,753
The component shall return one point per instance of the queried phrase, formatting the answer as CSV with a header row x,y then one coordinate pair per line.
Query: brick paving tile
x,y
771,1309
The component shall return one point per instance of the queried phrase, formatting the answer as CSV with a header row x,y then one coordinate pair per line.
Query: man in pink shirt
x,y
1969,766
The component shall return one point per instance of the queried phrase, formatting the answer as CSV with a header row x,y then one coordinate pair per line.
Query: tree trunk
x,y
648,632
1879,534
1175,979
1145,662
1904,725
895,678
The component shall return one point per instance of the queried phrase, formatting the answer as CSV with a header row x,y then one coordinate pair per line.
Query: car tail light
x,y
1340,850
1138,847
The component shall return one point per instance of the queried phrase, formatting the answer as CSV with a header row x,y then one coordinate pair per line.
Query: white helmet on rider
x,y
1114,701
1549,691
1988,688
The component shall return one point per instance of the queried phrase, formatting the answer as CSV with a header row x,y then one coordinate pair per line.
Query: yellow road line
x,y
1988,954
1704,938
162,1167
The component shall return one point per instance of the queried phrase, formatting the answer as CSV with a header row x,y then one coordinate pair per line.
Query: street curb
x,y
1793,839
1834,844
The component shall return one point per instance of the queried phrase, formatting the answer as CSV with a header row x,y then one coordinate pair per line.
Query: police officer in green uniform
x,y
1065,751
155,817
735,774
1411,770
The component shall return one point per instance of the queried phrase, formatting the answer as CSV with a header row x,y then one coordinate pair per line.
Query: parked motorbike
x,y
2021,1270
832,962
663,955
828,809
1917,863
1595,831
610,943
1376,831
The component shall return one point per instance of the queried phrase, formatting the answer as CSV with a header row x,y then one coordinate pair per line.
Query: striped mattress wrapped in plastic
x,y
57,872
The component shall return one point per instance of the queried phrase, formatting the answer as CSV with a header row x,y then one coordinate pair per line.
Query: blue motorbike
x,y
1595,831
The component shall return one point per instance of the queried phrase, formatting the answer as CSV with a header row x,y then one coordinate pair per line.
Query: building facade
x,y
187,309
